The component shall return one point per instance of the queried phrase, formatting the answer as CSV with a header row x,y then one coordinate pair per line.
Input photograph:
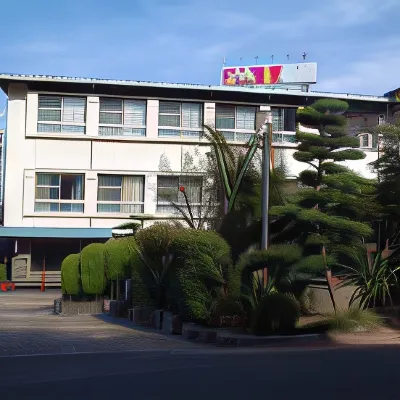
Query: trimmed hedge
x,y
93,269
118,258
3,272
276,313
70,275
204,265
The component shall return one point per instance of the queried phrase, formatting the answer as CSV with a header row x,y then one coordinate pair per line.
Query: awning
x,y
66,233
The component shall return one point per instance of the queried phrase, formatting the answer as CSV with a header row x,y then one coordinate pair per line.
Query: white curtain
x,y
47,186
132,191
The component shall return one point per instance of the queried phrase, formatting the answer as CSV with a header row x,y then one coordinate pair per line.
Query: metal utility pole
x,y
266,130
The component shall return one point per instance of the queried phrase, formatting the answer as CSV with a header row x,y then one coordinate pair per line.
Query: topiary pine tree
x,y
326,217
387,167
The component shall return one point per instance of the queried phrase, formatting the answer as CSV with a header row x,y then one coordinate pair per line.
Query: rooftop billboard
x,y
304,73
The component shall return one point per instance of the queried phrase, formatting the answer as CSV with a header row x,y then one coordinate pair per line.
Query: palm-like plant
x,y
232,166
374,281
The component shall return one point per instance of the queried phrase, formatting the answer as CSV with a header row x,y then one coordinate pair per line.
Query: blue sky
x,y
354,42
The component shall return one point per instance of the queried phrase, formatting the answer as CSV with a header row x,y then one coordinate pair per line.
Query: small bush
x,y
118,258
141,295
3,272
70,275
93,269
276,313
354,319
203,259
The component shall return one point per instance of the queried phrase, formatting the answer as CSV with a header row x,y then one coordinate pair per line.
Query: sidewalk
x,y
383,336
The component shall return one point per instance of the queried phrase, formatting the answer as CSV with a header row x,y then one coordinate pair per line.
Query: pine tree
x,y
387,167
326,217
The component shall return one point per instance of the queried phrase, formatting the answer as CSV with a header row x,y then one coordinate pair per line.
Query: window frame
x,y
165,131
180,200
59,201
281,117
121,127
236,134
121,202
362,136
61,123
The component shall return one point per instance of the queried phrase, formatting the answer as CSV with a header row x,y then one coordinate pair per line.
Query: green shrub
x,y
204,270
117,258
276,313
155,261
3,272
141,295
278,258
93,269
354,319
70,275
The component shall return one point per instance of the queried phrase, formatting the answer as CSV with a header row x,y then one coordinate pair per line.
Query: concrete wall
x,y
320,301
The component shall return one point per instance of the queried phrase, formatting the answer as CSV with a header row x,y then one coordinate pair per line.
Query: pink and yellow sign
x,y
269,74
262,75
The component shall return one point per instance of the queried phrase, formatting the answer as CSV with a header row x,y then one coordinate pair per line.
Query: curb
x,y
223,338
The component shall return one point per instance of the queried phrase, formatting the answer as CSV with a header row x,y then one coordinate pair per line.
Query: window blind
x,y
225,117
245,118
74,109
191,115
169,114
61,114
277,119
134,113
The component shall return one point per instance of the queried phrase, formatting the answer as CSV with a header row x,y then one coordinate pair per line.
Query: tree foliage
x,y
93,269
204,272
117,257
3,272
155,259
387,167
328,217
70,275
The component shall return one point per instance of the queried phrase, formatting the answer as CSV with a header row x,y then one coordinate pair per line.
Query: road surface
x,y
206,374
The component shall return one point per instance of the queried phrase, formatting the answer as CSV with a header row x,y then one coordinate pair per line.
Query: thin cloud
x,y
374,73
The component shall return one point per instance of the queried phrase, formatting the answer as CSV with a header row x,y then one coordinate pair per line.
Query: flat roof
x,y
65,79
206,93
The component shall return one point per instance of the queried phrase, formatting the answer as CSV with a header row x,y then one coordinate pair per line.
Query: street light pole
x,y
266,160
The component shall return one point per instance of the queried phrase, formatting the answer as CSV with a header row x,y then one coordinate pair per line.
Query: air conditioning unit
x,y
381,119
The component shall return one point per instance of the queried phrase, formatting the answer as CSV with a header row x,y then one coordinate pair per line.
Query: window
x,y
229,119
120,194
168,191
364,140
120,117
283,137
59,192
58,114
180,119
278,119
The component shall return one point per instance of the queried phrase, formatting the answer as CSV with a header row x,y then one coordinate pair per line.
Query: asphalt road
x,y
363,373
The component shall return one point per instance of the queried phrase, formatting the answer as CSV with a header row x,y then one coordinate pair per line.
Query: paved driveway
x,y
28,326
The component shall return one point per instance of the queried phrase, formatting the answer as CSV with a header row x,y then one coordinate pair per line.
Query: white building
x,y
82,155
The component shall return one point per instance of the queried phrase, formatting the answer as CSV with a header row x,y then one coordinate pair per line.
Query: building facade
x,y
83,155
